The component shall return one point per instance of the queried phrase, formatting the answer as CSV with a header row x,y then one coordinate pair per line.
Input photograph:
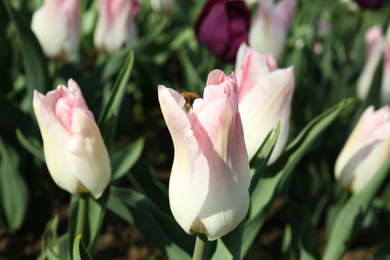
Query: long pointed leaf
x,y
276,175
33,58
349,220
109,116
161,228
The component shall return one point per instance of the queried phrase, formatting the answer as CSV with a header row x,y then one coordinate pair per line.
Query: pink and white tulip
x,y
208,187
57,27
75,153
116,25
265,98
376,48
269,29
366,149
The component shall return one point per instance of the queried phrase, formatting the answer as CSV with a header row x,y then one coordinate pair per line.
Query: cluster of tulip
x,y
230,144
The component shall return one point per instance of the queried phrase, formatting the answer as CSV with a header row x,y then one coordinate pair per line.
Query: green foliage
x,y
79,250
13,189
349,220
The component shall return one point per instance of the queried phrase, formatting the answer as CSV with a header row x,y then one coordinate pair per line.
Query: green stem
x,y
200,246
81,213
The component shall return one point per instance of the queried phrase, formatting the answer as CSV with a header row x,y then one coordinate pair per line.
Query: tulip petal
x,y
385,87
373,59
269,101
54,135
251,65
87,154
189,181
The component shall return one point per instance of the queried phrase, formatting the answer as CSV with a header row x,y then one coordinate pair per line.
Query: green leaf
x,y
349,221
79,250
96,213
72,222
33,58
50,246
109,116
276,176
65,254
304,241
158,226
30,146
144,178
96,210
260,160
124,158
13,188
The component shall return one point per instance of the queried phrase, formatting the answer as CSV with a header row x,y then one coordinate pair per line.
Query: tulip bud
x,y
366,149
75,153
269,29
264,100
208,187
57,27
370,4
375,45
116,24
222,26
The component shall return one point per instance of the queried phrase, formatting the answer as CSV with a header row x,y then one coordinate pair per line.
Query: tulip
x,y
57,26
370,4
222,26
376,48
264,100
75,153
269,29
365,151
385,87
163,6
116,25
210,177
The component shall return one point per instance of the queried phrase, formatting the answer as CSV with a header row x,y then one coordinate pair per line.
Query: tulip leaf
x,y
124,158
260,160
30,146
350,218
144,179
72,222
96,210
158,226
34,60
14,204
276,176
79,250
50,245
65,254
304,241
109,116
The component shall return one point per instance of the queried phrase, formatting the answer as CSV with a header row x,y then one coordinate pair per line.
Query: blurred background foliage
x,y
325,46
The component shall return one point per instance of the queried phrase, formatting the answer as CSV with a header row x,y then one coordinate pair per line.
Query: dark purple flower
x,y
370,4
222,26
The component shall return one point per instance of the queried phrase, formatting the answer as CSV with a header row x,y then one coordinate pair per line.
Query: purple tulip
x,y
370,4
222,26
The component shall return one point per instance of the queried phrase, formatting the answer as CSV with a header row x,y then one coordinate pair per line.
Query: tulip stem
x,y
81,213
200,245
